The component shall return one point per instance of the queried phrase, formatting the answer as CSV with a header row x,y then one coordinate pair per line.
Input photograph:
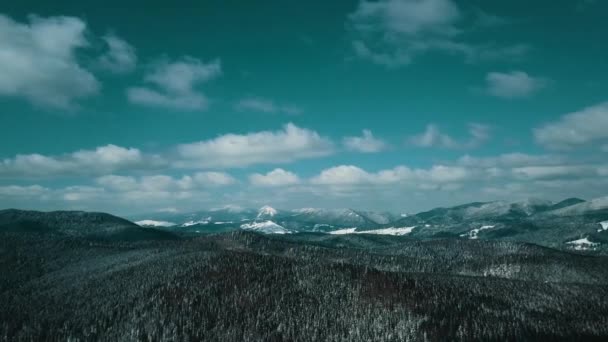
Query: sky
x,y
392,105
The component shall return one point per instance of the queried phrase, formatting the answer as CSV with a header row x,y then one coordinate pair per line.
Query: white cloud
x,y
511,160
393,32
101,160
81,193
276,177
407,16
120,56
585,127
119,183
433,137
38,61
176,84
514,84
214,178
365,144
164,185
353,175
555,171
259,104
266,147
226,151
23,191
342,175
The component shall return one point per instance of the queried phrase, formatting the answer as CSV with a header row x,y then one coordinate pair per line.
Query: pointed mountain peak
x,y
267,211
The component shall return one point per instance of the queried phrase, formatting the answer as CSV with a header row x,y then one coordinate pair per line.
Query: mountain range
x,y
572,224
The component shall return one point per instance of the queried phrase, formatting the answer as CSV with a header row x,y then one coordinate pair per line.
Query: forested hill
x,y
244,286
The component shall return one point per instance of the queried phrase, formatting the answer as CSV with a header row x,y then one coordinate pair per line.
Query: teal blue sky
x,y
131,106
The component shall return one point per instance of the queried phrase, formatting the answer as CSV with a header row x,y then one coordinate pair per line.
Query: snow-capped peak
x,y
267,211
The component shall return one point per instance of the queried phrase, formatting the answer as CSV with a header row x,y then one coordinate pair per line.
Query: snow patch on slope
x,y
386,231
152,223
192,223
582,244
344,231
604,225
474,233
266,227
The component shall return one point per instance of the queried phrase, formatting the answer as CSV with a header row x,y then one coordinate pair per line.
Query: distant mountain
x,y
566,203
558,225
570,224
307,219
266,212
597,206
77,224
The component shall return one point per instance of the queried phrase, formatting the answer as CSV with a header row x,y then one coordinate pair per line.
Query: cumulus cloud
x,y
511,160
213,178
226,151
556,171
585,127
393,32
81,193
433,137
353,175
365,144
156,183
262,105
514,84
38,61
103,159
23,191
276,177
120,56
175,84
520,166
265,147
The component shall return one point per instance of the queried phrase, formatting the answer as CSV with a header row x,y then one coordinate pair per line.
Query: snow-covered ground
x,y
582,244
192,223
604,225
473,233
344,231
266,227
385,231
152,223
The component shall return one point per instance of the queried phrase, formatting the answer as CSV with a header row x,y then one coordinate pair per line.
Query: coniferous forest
x,y
245,286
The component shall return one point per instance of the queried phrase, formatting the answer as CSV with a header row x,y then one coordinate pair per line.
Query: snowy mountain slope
x,y
266,212
385,231
592,206
266,227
